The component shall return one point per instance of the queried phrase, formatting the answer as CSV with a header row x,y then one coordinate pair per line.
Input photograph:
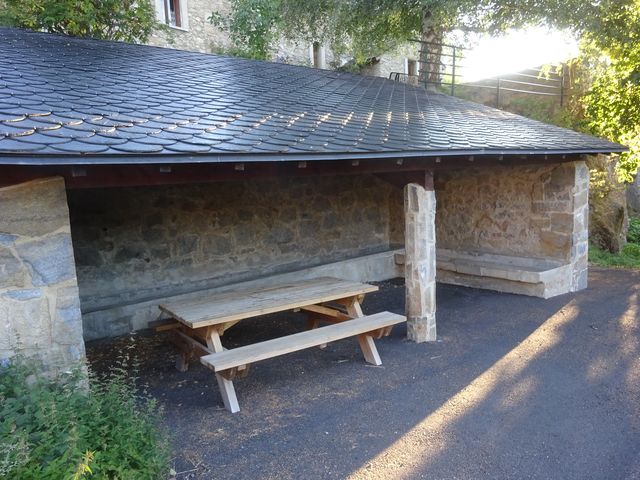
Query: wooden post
x,y
420,260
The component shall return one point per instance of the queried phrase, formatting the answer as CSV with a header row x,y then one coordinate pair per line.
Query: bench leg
x,y
314,323
227,391
228,394
185,352
369,349
182,360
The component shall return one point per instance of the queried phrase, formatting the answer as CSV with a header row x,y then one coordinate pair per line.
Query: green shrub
x,y
632,250
633,235
78,427
628,258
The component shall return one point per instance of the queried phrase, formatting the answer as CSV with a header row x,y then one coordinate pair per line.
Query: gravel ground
x,y
515,387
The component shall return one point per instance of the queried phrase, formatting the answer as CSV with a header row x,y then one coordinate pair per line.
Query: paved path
x,y
516,387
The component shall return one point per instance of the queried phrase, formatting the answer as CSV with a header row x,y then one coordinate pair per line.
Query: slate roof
x,y
69,100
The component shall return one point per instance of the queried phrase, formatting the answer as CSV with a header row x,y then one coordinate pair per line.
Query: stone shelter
x,y
134,174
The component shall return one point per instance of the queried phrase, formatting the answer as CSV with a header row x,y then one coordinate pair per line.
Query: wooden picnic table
x,y
198,324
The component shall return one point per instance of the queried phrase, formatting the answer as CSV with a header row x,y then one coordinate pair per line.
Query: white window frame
x,y
321,53
406,66
162,7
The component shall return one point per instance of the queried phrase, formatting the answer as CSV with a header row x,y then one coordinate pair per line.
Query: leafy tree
x,y
366,28
612,104
126,20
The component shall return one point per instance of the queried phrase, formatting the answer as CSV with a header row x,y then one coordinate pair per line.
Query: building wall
x,y
520,211
393,62
201,35
39,305
514,229
136,244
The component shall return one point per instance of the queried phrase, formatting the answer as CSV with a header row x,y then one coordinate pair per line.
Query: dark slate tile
x,y
79,146
15,145
111,99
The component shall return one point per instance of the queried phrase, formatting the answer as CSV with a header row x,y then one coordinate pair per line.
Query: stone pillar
x,y
39,303
420,262
580,233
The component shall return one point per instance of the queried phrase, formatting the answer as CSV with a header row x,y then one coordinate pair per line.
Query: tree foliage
x,y
367,28
612,104
126,20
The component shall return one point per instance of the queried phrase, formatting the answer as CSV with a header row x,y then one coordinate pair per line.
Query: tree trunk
x,y
431,66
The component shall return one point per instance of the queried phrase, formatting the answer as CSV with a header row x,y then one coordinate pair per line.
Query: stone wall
x,y
201,35
393,61
137,244
530,212
519,211
39,305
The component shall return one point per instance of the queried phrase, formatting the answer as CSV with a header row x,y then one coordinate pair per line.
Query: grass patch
x,y
78,426
628,258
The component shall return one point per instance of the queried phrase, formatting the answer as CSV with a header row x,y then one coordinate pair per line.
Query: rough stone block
x,y
555,245
67,322
45,201
422,329
12,271
561,222
50,259
25,316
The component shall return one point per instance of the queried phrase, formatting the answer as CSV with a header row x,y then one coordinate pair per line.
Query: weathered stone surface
x,y
151,247
420,263
607,205
67,322
7,240
12,272
44,200
38,317
517,211
26,320
49,259
536,215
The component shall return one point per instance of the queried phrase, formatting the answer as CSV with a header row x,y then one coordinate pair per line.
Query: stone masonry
x,y
420,262
518,225
201,35
137,244
579,253
39,304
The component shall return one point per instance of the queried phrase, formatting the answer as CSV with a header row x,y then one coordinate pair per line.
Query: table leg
x,y
367,345
227,391
185,351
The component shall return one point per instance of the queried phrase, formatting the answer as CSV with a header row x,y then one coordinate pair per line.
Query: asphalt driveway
x,y
515,387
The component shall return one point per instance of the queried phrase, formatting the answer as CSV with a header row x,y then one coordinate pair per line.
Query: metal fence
x,y
447,75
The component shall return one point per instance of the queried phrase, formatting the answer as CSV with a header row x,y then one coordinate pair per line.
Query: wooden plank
x,y
194,343
237,305
164,325
299,341
326,312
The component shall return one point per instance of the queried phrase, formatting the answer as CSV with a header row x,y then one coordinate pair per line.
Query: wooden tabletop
x,y
246,303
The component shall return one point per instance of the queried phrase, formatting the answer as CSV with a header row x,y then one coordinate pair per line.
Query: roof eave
x,y
132,159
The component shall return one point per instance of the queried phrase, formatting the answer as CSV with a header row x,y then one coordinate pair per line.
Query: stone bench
x,y
521,275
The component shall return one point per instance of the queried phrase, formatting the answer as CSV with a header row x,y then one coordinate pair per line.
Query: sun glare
x,y
516,51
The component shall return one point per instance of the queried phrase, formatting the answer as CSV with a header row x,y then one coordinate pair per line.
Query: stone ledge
x,y
521,275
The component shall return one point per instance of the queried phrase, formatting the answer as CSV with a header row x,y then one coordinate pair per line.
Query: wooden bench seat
x,y
365,328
